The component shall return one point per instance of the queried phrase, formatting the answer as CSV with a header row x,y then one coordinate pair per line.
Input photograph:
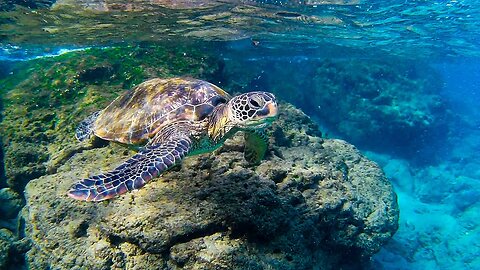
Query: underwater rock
x,y
97,74
312,202
23,162
12,251
3,179
43,98
6,242
10,203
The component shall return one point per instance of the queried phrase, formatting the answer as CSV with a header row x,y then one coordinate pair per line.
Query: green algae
x,y
44,98
6,239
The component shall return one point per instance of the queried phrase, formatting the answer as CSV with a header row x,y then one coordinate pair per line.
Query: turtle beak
x,y
272,109
269,111
265,116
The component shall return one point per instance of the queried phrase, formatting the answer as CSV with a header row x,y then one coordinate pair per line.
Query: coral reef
x,y
311,203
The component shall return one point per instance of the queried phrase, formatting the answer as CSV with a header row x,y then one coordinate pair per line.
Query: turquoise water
x,y
398,79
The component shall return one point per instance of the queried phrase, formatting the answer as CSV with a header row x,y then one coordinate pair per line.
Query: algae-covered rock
x,y
12,250
6,242
44,98
311,203
10,203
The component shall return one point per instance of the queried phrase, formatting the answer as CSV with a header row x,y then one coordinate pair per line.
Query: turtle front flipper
x,y
133,173
85,128
256,144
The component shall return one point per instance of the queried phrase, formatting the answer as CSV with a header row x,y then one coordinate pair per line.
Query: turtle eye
x,y
256,102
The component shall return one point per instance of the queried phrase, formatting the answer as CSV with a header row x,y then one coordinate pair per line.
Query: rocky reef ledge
x,y
312,204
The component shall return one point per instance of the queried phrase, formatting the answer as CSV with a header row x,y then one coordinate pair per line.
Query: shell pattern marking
x,y
138,115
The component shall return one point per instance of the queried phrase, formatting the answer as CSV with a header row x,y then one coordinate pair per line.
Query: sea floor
x,y
439,210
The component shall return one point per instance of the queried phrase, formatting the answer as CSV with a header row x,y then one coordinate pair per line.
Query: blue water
x,y
438,183
440,217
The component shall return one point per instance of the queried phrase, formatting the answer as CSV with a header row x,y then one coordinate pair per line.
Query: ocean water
x,y
400,80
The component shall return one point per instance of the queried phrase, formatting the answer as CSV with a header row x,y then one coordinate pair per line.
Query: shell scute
x,y
140,113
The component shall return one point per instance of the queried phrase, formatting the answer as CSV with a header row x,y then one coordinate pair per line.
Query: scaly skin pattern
x,y
134,173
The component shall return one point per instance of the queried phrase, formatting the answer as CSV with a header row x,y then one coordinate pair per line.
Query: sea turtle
x,y
171,118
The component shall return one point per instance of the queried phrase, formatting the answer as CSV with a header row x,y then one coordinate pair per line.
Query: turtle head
x,y
252,110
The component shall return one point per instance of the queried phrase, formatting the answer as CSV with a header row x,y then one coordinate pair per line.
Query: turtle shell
x,y
139,114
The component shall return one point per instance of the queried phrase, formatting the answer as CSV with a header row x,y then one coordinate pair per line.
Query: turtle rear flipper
x,y
133,173
85,128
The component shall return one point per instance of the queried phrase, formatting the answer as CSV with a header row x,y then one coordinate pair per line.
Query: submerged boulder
x,y
6,240
10,203
43,97
311,202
